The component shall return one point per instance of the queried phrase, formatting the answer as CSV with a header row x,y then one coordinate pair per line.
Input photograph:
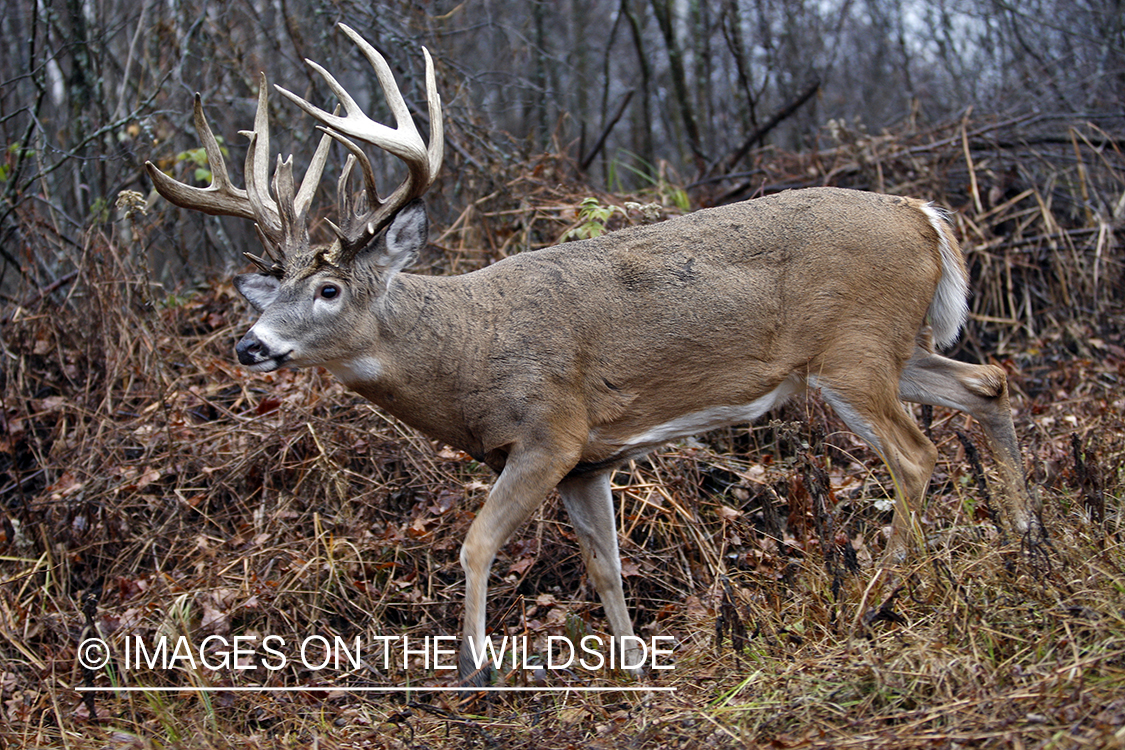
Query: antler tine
x,y
258,169
344,207
403,141
313,175
220,198
286,194
357,154
422,171
257,189
437,133
274,267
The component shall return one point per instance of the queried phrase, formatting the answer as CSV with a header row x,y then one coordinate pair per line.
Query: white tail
x,y
950,306
554,367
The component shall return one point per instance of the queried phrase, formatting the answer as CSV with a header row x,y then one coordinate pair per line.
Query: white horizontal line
x,y
360,689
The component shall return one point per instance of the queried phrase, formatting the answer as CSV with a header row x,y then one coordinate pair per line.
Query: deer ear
x,y
409,230
401,243
258,289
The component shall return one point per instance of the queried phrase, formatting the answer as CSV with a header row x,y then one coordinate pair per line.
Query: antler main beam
x,y
403,141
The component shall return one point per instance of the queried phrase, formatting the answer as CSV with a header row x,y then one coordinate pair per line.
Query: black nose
x,y
251,351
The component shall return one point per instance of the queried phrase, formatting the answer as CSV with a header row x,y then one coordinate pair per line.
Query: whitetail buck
x,y
555,367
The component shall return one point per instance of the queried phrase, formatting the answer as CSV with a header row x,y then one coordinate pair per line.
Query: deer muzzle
x,y
257,355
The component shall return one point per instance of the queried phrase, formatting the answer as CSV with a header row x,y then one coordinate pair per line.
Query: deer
x,y
556,366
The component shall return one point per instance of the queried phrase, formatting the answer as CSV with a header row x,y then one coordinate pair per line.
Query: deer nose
x,y
250,350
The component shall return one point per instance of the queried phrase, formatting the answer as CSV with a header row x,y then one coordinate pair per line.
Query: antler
x,y
278,227
283,224
361,220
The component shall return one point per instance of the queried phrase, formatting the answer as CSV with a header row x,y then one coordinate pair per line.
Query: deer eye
x,y
329,291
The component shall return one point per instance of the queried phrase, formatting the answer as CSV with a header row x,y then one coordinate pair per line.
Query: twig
x,y
778,117
598,144
40,295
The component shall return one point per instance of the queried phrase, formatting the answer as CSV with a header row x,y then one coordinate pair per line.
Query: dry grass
x,y
151,489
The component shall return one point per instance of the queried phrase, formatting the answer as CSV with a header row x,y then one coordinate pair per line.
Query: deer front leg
x,y
521,488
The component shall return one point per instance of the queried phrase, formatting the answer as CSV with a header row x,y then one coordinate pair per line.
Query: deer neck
x,y
415,360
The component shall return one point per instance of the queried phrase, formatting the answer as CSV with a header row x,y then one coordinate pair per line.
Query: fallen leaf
x,y
150,476
727,513
521,565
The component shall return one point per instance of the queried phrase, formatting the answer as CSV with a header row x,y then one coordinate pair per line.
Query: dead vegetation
x,y
152,489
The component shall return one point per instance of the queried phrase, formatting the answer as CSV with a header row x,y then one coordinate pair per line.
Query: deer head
x,y
318,303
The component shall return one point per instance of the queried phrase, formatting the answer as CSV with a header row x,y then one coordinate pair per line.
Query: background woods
x,y
627,95
149,487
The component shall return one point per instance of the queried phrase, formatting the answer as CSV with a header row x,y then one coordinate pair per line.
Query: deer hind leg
x,y
521,488
982,391
869,405
589,503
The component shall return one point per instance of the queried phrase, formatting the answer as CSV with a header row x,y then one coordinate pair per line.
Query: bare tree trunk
x,y
580,63
642,125
540,79
703,59
732,30
608,121
663,11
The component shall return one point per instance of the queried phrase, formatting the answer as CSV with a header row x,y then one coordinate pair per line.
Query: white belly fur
x,y
717,416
